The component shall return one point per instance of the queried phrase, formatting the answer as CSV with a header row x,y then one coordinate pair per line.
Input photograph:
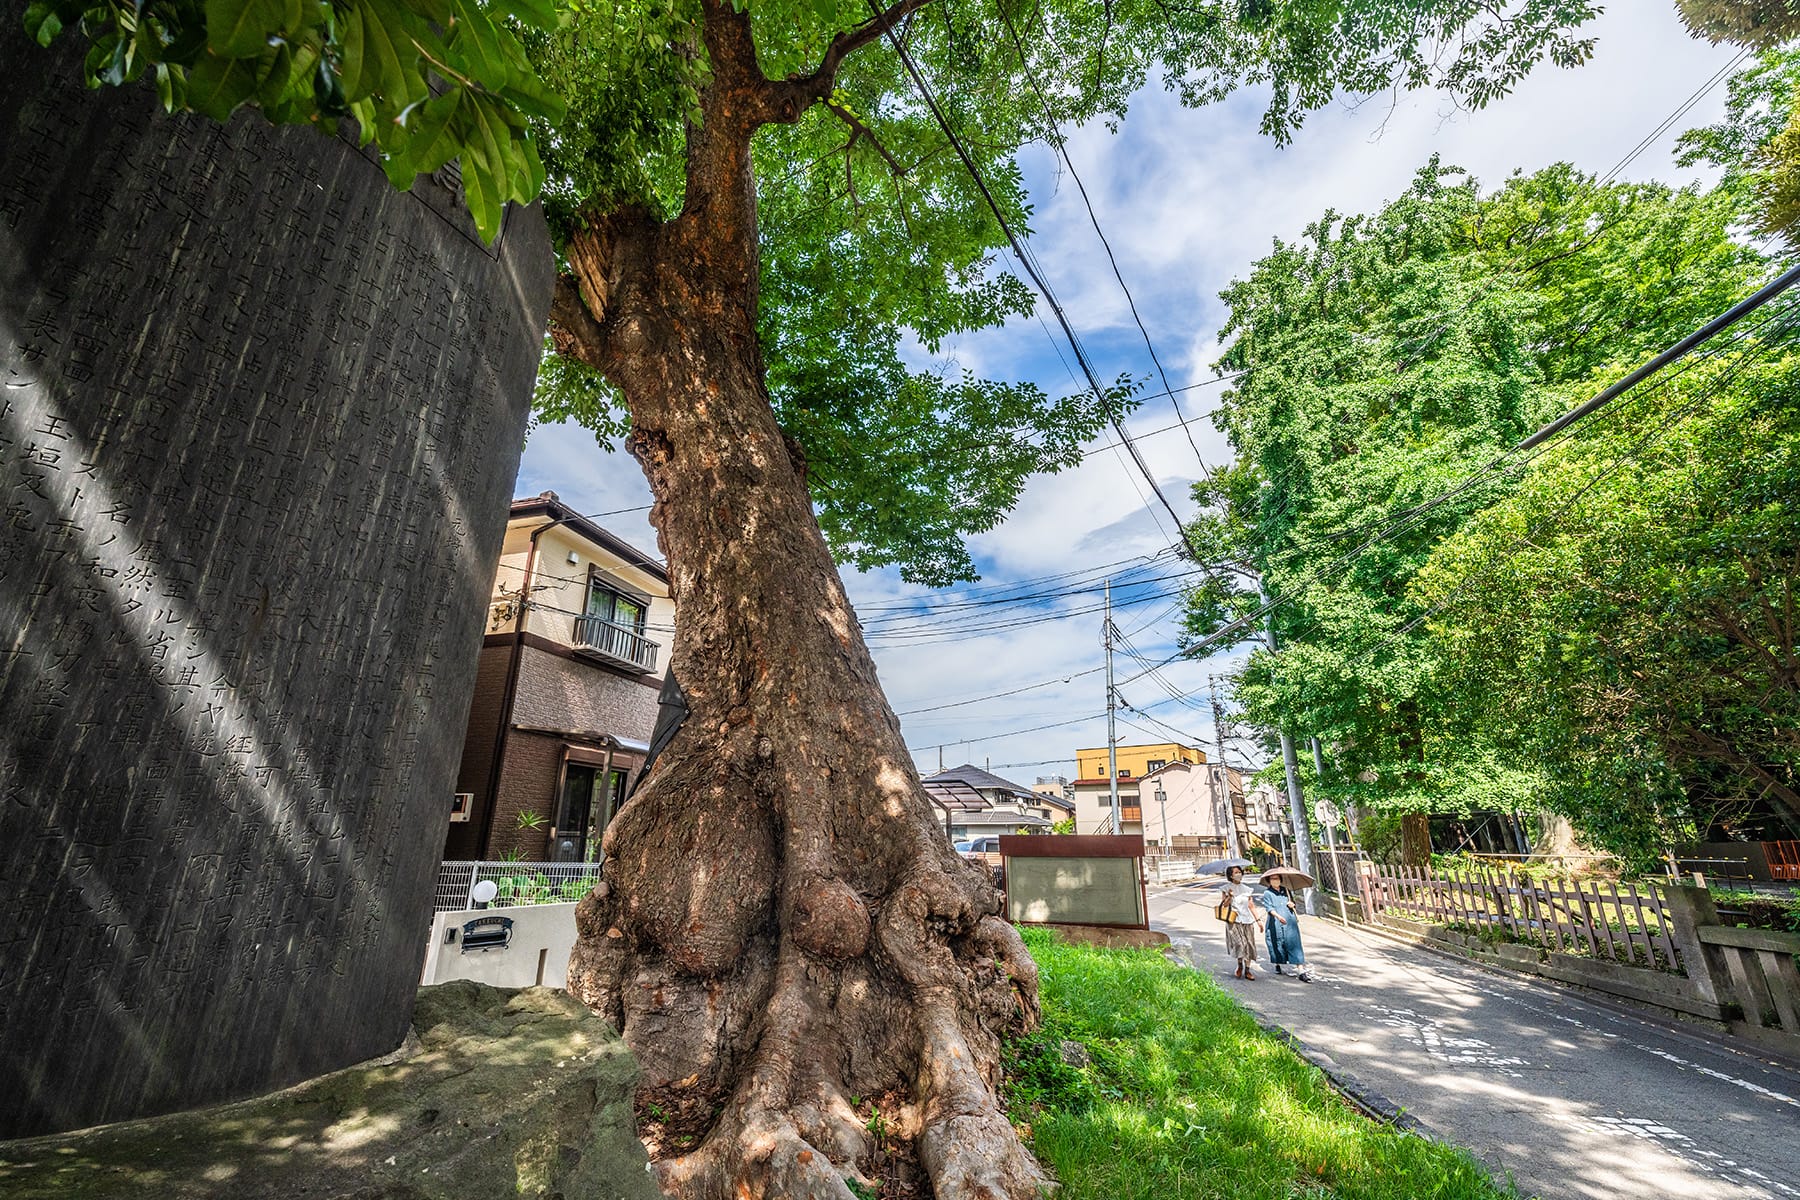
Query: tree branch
x,y
791,97
574,331
858,129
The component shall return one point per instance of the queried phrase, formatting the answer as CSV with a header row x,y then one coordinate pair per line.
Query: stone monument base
x,y
497,1093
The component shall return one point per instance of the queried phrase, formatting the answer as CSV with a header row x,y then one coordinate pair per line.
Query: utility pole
x,y
1328,815
1296,805
1219,777
1162,802
1112,736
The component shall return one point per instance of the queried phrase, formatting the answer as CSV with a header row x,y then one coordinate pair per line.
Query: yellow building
x,y
1093,793
1135,762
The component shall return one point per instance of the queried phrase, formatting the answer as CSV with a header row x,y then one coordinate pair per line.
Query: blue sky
x,y
1188,200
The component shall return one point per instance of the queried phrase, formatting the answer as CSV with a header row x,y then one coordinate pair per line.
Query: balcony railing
x,y
620,645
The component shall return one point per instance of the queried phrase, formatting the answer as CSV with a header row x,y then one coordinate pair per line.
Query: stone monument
x,y
260,417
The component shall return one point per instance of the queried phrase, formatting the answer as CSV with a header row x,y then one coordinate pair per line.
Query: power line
x,y
1000,695
1093,572
1786,321
1680,110
970,612
1062,149
1025,259
1724,320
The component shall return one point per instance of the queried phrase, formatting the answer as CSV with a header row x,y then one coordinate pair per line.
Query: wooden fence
x,y
1763,966
1612,921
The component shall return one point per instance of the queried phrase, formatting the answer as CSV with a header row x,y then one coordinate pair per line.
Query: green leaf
x,y
274,75
99,56
539,14
535,100
430,139
435,11
477,48
485,172
216,86
379,55
242,28
116,70
328,90
367,121
530,180
351,47
42,23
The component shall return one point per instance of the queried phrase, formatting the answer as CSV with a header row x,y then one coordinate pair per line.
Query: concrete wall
x,y
542,937
259,427
574,694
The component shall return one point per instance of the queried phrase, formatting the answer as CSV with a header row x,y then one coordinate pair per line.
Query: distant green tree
x,y
1627,618
1387,360
1756,23
1757,144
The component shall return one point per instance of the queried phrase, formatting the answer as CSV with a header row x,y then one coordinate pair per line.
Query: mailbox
x,y
487,933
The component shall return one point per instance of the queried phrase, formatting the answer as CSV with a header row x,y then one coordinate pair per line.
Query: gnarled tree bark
x,y
782,925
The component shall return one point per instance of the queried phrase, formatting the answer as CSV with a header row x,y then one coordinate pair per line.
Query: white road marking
x,y
1428,1035
1758,1088
1683,1147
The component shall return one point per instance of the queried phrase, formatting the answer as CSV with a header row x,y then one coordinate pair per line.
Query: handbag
x,y
1226,912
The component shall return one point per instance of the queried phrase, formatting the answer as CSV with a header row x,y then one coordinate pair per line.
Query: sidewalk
x,y
1572,1099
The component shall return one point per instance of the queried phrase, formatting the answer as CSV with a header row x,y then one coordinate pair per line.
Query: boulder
x,y
497,1093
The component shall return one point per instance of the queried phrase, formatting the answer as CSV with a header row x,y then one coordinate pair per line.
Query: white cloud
x,y
1189,200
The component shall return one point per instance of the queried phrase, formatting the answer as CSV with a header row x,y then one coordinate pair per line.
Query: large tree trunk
x,y
783,929
1415,839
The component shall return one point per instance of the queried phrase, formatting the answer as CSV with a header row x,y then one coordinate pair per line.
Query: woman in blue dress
x,y
1282,930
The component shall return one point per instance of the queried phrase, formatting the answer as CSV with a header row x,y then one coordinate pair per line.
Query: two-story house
x,y
1092,787
566,692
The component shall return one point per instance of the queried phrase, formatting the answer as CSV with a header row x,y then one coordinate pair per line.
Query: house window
x,y
1124,772
616,607
1157,762
587,804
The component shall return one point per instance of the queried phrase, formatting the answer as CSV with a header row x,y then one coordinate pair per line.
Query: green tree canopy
x,y
875,238
1388,360
1626,617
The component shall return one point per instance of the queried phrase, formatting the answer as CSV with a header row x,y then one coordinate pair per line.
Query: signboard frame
x,y
1078,846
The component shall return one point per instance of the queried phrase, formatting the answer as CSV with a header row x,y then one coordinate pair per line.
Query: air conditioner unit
x,y
460,806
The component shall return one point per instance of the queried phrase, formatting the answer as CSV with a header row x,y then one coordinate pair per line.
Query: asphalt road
x,y
1573,1100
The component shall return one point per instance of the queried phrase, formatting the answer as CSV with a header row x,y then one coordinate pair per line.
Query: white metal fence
x,y
1168,870
518,883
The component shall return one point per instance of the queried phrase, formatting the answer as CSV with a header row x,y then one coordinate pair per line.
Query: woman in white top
x,y
1241,934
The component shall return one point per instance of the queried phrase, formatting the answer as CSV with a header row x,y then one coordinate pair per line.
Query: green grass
x,y
1762,910
1187,1099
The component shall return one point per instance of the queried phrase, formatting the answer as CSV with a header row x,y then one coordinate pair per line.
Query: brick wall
x,y
527,784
